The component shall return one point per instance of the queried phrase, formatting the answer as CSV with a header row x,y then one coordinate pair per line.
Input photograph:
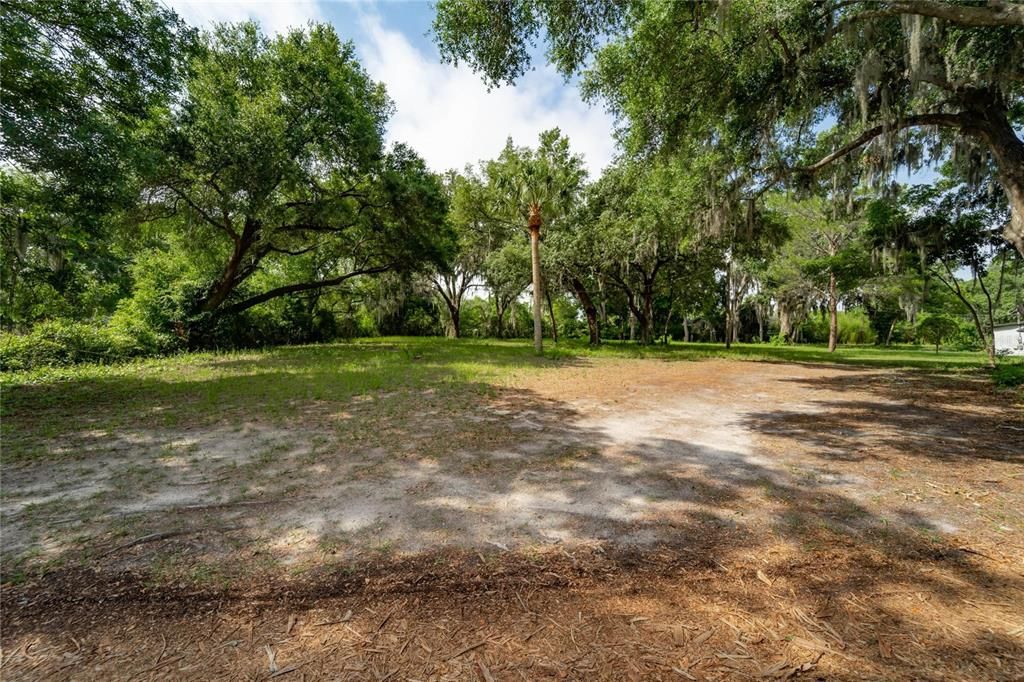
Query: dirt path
x,y
641,519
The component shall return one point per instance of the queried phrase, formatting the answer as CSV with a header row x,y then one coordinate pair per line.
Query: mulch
x,y
656,613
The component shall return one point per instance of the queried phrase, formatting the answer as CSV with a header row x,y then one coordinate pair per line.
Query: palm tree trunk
x,y
833,316
538,328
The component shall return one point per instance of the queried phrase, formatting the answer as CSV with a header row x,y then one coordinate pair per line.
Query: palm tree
x,y
536,187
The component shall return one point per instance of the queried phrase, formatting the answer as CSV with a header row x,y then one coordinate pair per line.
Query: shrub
x,y
1009,376
59,342
855,328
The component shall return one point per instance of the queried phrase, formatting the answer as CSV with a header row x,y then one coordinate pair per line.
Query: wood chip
x,y
702,637
344,619
683,673
272,657
284,671
467,649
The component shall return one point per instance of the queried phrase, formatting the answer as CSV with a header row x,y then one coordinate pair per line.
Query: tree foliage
x,y
780,89
275,163
80,78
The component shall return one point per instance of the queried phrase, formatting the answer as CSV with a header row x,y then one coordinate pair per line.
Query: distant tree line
x,y
167,188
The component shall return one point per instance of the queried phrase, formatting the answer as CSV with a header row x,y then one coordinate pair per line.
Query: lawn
x,y
381,505
276,384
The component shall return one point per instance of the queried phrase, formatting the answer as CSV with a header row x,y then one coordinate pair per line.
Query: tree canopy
x,y
780,89
276,153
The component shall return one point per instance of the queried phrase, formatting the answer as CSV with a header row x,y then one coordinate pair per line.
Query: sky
x,y
445,113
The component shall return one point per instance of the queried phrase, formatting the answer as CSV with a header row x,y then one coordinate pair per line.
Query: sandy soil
x,y
642,518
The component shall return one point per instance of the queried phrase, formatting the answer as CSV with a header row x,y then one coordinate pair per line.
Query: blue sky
x,y
445,113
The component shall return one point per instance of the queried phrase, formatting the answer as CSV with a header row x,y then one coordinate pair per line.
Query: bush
x,y
854,328
1008,376
59,342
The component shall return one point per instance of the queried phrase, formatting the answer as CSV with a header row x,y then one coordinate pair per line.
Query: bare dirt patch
x,y
607,518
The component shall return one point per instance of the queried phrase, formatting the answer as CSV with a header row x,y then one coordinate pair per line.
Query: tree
x,y
936,329
506,271
638,233
572,251
534,187
823,249
276,154
786,89
745,241
79,80
471,239
944,230
48,267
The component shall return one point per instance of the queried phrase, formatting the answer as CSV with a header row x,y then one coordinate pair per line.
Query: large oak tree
x,y
276,153
781,88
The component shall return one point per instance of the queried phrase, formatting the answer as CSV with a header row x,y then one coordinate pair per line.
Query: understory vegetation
x,y
170,189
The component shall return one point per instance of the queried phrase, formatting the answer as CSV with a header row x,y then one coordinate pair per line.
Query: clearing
x,y
420,509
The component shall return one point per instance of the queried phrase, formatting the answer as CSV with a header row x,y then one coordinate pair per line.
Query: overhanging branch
x,y
945,120
304,286
992,13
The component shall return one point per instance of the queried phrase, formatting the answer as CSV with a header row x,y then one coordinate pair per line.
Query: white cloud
x,y
448,116
274,16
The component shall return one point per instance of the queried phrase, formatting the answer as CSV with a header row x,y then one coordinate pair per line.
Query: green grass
x,y
871,356
45,406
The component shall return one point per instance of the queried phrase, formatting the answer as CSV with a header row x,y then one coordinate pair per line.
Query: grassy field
x,y
206,388
623,490
384,351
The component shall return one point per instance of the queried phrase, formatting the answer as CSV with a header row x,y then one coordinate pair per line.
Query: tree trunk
x,y
500,313
229,277
448,290
989,121
456,326
551,314
589,309
647,330
986,336
686,329
538,326
833,316
728,305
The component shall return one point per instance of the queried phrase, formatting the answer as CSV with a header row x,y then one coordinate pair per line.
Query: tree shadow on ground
x,y
948,418
527,494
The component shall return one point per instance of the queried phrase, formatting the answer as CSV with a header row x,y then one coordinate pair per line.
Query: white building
x,y
1009,338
